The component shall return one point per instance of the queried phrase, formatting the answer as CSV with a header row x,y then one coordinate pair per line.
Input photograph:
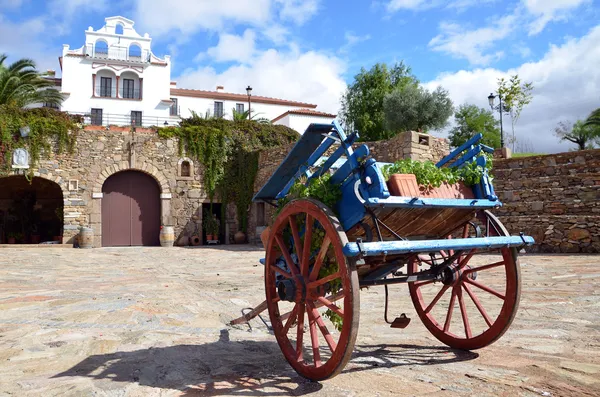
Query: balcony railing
x,y
125,120
110,92
118,53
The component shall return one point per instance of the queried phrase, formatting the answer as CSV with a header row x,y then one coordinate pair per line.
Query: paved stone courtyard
x,y
152,322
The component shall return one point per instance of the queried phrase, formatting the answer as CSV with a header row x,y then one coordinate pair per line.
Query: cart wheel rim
x,y
469,310
308,340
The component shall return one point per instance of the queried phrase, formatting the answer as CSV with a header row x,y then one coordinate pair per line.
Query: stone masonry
x,y
554,198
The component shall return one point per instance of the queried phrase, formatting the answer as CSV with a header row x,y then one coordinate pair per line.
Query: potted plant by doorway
x,y
11,238
211,226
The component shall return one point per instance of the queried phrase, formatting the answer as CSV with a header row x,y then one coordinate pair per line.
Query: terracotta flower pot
x,y
210,237
448,191
12,240
264,236
403,185
35,239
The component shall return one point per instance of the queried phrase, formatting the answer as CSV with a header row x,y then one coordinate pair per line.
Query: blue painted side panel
x,y
467,157
467,145
344,171
406,247
296,158
418,202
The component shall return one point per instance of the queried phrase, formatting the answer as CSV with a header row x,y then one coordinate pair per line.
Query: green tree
x,y
21,85
584,136
362,103
239,116
593,119
515,96
470,120
415,108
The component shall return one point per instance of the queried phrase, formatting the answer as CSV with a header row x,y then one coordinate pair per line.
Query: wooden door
x,y
130,210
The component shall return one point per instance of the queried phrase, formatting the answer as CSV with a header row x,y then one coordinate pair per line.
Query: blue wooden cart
x,y
459,261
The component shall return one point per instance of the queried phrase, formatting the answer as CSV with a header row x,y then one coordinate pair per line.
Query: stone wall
x,y
554,198
410,144
100,153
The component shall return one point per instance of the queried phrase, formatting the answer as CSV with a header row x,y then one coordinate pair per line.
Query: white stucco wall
x,y
300,122
201,105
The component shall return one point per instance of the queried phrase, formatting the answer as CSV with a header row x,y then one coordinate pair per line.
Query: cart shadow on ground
x,y
245,368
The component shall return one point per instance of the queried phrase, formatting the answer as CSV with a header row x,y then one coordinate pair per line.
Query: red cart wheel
x,y
308,278
484,284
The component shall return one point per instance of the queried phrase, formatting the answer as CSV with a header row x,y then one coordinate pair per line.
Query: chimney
x,y
173,84
219,88
51,72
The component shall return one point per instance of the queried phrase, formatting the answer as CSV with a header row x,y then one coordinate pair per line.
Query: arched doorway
x,y
30,212
130,210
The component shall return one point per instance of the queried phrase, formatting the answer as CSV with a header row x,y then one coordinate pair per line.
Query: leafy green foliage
x,y
582,134
413,108
210,223
228,150
362,103
47,126
471,120
428,175
318,188
593,119
21,85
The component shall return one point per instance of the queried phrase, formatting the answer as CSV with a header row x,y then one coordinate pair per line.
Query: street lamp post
x,y
249,92
491,99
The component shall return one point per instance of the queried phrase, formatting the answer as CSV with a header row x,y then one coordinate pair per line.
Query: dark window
x,y
174,108
105,86
185,168
128,91
136,118
96,117
239,107
218,109
260,214
51,105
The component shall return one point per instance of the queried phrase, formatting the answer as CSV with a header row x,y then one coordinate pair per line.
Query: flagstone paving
x,y
153,322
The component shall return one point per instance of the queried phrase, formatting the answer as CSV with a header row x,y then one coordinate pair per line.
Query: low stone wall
x,y
554,198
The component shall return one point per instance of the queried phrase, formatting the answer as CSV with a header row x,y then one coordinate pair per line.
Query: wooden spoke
x,y
463,311
300,333
330,298
480,268
324,280
280,271
421,283
317,267
484,287
436,299
465,259
286,255
487,319
314,337
450,310
331,306
296,235
328,338
291,319
308,230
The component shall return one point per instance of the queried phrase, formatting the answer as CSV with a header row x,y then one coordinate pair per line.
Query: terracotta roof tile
x,y
305,112
236,97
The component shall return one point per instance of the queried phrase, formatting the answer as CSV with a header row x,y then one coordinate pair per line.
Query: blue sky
x,y
310,49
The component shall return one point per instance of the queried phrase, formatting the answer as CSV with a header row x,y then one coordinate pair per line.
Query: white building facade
x,y
116,79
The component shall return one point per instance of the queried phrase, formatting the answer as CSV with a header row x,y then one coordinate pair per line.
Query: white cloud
x,y
297,11
22,40
232,47
566,85
420,5
311,77
276,33
162,17
352,40
473,45
395,5
546,11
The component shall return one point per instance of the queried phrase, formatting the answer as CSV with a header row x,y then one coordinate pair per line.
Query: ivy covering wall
x,y
48,128
228,150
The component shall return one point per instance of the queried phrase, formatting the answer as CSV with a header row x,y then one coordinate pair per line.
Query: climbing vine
x,y
46,127
228,151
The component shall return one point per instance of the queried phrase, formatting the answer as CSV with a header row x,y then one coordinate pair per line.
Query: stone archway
x,y
97,195
30,211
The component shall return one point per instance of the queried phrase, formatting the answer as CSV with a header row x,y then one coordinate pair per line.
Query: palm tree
x,y
593,119
22,85
240,116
